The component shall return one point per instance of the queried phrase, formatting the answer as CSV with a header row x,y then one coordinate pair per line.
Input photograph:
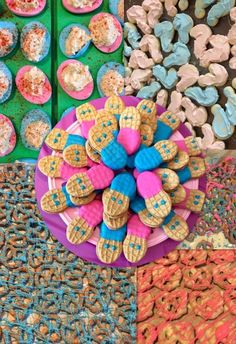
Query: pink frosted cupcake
x,y
81,6
7,136
75,79
26,8
33,85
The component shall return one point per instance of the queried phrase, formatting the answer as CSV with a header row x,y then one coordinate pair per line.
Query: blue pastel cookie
x,y
110,79
74,40
195,169
221,125
205,97
117,9
9,35
165,32
168,78
109,245
180,56
166,125
35,126
35,41
6,82
183,23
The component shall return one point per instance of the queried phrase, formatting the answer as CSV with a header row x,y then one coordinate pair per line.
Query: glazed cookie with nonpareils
x,y
189,145
186,198
148,111
166,125
115,105
195,169
81,228
85,115
59,139
169,178
96,178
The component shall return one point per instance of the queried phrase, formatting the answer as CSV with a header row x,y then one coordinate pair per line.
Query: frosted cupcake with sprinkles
x,y
110,79
35,41
74,40
106,32
81,6
5,82
8,37
26,8
75,79
33,85
7,136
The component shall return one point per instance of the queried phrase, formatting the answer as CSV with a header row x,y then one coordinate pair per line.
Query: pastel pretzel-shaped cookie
x,y
112,153
169,178
180,160
175,227
81,228
106,120
96,178
59,139
166,125
115,105
116,200
195,169
152,157
135,244
148,110
193,200
109,245
189,145
85,115
157,201
130,121
138,206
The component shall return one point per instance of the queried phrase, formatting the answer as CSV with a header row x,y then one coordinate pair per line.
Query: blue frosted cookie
x,y
74,40
110,79
9,37
6,82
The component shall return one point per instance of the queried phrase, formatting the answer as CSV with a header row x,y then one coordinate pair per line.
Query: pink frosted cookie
x,y
81,228
106,32
81,6
33,85
26,8
135,244
75,79
7,136
157,201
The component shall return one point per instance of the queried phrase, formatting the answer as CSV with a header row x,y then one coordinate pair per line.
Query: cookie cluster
x,y
125,174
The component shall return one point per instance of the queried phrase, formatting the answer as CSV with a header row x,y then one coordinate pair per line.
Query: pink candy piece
x,y
137,228
85,127
129,139
148,184
100,176
68,171
92,213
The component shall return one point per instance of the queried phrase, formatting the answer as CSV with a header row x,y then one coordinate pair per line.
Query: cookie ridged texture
x,y
149,220
115,105
75,156
178,195
146,134
115,222
79,185
192,145
180,160
169,178
56,139
99,137
159,205
85,112
130,118
92,154
170,119
177,229
195,201
134,248
83,200
54,201
197,167
50,166
167,149
148,111
108,255
78,231
106,120
115,203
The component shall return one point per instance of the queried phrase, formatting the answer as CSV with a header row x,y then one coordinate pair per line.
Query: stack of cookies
x,y
124,174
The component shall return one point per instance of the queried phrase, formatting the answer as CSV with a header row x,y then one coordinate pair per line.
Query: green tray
x,y
55,17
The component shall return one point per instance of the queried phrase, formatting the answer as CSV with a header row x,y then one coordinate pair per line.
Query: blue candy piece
x,y
109,66
114,155
132,35
168,78
46,43
64,35
221,9
125,184
184,175
200,6
205,97
165,31
148,159
183,23
231,104
137,205
149,92
75,140
163,132
67,111
114,9
6,71
11,27
179,57
221,125
108,234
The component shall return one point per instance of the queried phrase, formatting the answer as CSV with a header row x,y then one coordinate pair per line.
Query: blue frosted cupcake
x,y
5,82
74,40
110,79
8,37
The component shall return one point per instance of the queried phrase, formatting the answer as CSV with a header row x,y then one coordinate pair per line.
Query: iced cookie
x,y
35,126
138,206
172,305
85,115
7,136
109,245
110,79
25,8
146,135
59,140
33,85
8,37
195,169
135,244
189,145
116,200
74,40
201,304
5,83
190,199
151,158
169,178
157,200
103,141
106,32
115,222
148,111
117,9
81,6
175,227
166,125
35,41
180,160
105,119
173,332
92,154
115,105
96,178
81,228
130,121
